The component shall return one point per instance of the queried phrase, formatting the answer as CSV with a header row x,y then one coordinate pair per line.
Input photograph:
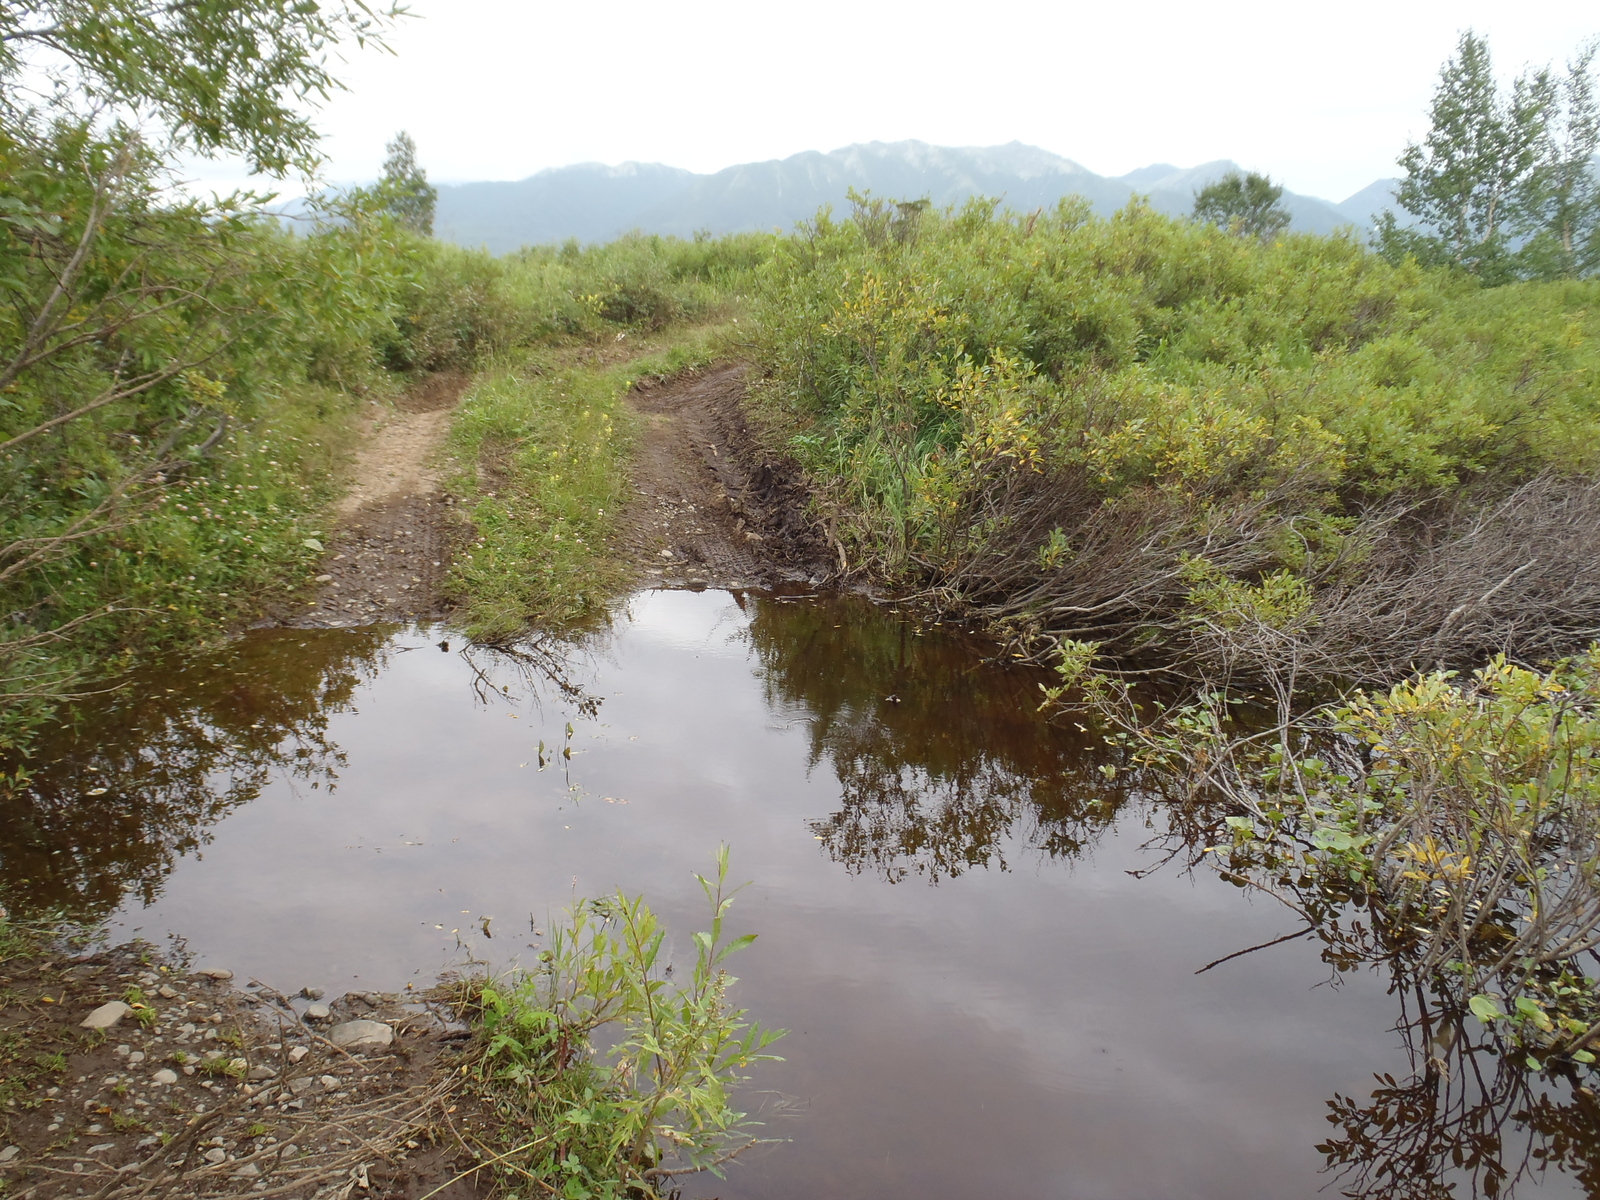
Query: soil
x,y
712,505
396,529
220,1090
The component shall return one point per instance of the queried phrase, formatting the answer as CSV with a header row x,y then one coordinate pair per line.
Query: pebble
x,y
165,1075
9,1153
216,1154
318,1012
261,1071
298,1053
355,1034
135,1057
220,974
106,1015
167,992
328,1082
299,1085
102,1147
248,1171
312,993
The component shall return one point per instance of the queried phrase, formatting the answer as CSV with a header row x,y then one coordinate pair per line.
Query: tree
x,y
1563,212
404,190
1246,205
1470,182
219,75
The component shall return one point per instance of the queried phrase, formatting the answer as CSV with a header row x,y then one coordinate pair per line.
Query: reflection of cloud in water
x,y
136,780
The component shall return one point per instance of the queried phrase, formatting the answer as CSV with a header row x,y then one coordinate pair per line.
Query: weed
x,y
545,439
232,1068
655,1103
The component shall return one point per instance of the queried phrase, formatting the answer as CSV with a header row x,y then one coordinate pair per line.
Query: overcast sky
x,y
1321,96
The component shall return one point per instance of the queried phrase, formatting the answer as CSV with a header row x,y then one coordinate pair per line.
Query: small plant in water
x,y
583,1122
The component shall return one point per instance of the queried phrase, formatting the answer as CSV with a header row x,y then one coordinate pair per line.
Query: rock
x,y
102,1147
301,1084
312,993
328,1082
220,974
248,1171
165,1075
318,1012
135,1058
167,992
354,1035
298,1053
261,1071
323,579
106,1015
9,1153
216,1154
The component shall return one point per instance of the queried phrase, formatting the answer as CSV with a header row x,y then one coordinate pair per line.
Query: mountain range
x,y
594,203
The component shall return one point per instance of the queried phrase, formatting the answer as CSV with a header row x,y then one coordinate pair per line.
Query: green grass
x,y
544,437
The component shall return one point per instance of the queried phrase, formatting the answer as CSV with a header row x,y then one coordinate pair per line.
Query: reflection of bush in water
x,y
176,750
941,759
1468,1121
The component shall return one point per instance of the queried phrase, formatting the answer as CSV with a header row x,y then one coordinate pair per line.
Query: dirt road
x,y
712,506
395,529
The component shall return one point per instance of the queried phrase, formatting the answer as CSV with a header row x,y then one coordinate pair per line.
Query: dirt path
x,y
712,507
396,528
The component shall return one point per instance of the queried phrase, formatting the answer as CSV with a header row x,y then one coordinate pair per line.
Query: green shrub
x,y
1043,418
585,1121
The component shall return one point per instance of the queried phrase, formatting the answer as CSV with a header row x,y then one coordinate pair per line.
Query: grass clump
x,y
545,438
580,1121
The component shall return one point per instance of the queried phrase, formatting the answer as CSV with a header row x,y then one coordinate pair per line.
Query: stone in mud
x,y
164,1076
106,1015
318,1012
220,974
298,1053
9,1153
356,1035
312,993
261,1071
301,1084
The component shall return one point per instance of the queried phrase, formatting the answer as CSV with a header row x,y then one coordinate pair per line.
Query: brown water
x,y
985,999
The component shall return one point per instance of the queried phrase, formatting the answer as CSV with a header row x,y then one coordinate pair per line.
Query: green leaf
x,y
1486,1009
1582,1056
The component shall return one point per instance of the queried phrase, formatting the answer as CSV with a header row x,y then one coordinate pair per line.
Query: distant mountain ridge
x,y
592,202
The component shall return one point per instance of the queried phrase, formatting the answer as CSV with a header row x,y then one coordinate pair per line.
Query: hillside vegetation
x,y
1151,434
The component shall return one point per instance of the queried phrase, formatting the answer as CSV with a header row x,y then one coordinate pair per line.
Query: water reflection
x,y
926,763
943,761
136,780
1467,1121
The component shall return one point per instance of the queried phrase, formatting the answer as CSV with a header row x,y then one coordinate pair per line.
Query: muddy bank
x,y
714,506
194,1086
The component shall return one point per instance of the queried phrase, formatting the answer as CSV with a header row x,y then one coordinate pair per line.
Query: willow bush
x,y
1086,427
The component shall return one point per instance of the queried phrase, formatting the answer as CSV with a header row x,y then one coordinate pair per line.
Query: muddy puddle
x,y
990,990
